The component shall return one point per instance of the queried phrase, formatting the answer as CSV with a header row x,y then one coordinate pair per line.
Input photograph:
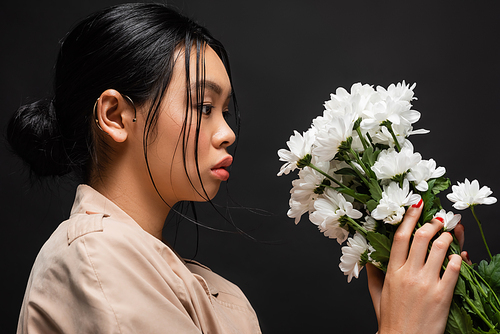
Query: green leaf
x,y
455,247
428,210
431,203
441,183
370,157
371,205
431,183
429,214
437,203
476,300
346,171
375,189
459,322
490,272
493,316
363,198
460,288
480,331
382,245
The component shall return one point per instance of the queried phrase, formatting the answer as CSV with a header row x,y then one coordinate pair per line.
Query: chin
x,y
212,192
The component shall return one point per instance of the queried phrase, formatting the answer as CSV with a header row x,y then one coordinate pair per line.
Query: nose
x,y
224,137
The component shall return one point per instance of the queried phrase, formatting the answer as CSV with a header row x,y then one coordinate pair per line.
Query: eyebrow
x,y
213,86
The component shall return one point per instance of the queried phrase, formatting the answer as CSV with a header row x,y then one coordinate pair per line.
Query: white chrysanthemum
x,y
364,90
423,172
404,131
299,146
328,210
298,208
350,261
391,207
394,105
400,91
398,112
449,219
382,136
410,132
370,224
328,141
391,163
304,186
343,103
302,192
468,194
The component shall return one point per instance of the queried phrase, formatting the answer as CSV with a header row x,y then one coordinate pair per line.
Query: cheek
x,y
170,158
204,146
165,154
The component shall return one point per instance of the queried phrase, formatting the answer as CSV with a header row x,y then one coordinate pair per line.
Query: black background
x,y
286,57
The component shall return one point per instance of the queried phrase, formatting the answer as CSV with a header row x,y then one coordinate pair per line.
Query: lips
x,y
219,170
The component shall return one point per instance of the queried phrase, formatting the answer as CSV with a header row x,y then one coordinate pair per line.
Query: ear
x,y
114,115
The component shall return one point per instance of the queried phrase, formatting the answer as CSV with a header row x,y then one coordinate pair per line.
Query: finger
x,y
423,236
460,234
375,285
450,275
400,245
466,258
437,254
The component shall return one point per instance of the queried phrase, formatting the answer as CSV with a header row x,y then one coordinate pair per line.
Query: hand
x,y
413,297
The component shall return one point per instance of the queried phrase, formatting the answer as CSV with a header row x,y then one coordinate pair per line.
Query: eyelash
x,y
203,109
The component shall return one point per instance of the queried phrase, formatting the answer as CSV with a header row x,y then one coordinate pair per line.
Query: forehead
x,y
215,72
214,65
216,77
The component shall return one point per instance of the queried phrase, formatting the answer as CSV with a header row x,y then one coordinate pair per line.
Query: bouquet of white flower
x,y
357,174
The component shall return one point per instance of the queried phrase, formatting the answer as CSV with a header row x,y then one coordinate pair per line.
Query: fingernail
x,y
440,219
418,204
467,256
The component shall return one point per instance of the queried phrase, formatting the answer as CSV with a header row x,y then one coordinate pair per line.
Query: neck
x,y
140,202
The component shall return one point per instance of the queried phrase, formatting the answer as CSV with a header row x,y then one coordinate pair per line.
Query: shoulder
x,y
85,238
63,283
98,273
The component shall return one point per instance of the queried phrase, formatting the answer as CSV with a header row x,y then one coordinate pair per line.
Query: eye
x,y
206,109
226,114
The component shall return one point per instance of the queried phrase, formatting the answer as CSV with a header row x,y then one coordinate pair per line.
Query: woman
x,y
138,113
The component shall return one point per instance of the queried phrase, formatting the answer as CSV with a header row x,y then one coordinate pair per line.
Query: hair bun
x,y
34,135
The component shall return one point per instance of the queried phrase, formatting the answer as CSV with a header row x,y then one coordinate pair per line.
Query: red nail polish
x,y
440,219
418,204
467,256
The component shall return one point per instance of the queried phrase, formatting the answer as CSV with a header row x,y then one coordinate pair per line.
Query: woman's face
x,y
165,152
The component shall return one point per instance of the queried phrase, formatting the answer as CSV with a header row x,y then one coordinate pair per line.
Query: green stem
x,y
474,281
362,138
356,226
388,125
475,275
365,181
360,162
481,230
350,192
326,175
371,183
370,140
477,312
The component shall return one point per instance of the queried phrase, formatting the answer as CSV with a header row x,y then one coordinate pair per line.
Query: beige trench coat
x,y
100,272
